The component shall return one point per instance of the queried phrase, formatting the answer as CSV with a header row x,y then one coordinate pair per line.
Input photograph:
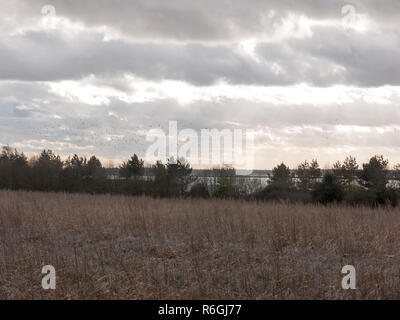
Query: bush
x,y
274,191
199,190
277,191
329,190
373,197
386,196
352,188
299,196
222,192
359,196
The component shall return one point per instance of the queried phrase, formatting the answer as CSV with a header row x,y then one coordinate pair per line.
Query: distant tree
x,y
350,168
47,157
337,170
329,190
173,178
124,171
76,162
13,169
337,166
73,173
134,167
396,171
308,174
94,168
223,181
374,176
160,179
374,173
346,172
95,176
12,156
303,175
178,176
315,171
280,184
46,170
281,174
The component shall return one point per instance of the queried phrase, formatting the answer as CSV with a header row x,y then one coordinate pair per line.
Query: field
x,y
116,247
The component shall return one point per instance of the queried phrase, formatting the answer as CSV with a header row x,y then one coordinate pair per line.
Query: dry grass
x,y
115,247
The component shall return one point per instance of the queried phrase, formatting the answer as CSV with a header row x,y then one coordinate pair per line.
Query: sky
x,y
312,79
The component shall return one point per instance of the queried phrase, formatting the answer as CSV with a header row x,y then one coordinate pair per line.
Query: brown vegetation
x,y
117,247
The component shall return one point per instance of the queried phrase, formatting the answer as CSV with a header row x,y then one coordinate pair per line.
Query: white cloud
x,y
99,74
94,91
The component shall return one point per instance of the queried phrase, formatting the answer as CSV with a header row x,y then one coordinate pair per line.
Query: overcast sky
x,y
93,76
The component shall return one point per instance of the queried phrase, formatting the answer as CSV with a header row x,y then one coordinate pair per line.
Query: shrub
x,y
359,196
274,191
222,192
329,190
386,196
372,197
277,191
199,190
299,196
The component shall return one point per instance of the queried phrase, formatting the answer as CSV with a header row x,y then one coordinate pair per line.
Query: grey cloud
x,y
370,59
194,42
331,57
118,129
197,20
334,56
49,57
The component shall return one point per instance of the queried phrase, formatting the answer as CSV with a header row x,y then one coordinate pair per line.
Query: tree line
x,y
48,172
344,182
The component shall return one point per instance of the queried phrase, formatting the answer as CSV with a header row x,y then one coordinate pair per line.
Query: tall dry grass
x,y
115,247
